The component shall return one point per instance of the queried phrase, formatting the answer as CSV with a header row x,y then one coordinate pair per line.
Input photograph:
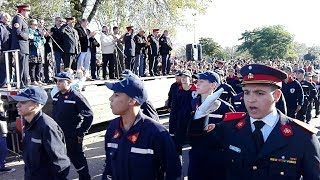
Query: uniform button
x,y
254,167
281,173
232,160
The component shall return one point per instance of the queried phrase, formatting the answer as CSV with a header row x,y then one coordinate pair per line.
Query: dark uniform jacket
x,y
228,92
172,93
153,49
165,45
70,39
145,152
148,109
235,83
140,42
45,153
72,112
291,150
85,42
58,37
129,45
4,37
20,34
293,93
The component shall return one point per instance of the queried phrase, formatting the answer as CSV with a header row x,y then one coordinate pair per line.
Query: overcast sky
x,y
225,20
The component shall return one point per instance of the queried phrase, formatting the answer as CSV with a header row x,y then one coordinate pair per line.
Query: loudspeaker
x,y
199,52
189,52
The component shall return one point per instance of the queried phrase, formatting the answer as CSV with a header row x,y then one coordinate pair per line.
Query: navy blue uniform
x,y
153,53
20,40
165,48
228,92
145,152
172,97
289,151
4,46
235,83
293,94
74,115
310,94
129,50
181,114
149,110
206,158
44,154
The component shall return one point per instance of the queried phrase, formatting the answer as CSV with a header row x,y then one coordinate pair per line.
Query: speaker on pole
x,y
199,52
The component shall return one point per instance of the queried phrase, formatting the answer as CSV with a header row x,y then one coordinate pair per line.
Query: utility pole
x,y
194,27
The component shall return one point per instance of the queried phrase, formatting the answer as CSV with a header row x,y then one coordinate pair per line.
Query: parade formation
x,y
241,119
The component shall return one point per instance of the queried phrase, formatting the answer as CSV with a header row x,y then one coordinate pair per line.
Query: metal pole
x,y
18,77
6,57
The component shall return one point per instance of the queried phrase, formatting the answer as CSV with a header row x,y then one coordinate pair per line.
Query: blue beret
x,y
262,74
32,93
64,76
208,75
301,71
132,86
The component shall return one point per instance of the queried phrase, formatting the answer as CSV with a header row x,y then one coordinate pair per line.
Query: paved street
x,y
94,150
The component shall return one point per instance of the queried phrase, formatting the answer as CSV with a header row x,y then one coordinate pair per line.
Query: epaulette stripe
x,y
234,116
306,126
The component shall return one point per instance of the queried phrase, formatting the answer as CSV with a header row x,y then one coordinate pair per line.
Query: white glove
x,y
209,105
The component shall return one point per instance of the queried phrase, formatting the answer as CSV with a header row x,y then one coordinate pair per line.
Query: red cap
x,y
129,28
25,7
155,30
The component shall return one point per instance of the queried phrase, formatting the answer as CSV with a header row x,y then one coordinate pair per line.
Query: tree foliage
x,y
270,42
211,49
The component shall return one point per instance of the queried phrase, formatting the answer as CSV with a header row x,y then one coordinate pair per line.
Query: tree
x,y
264,43
211,49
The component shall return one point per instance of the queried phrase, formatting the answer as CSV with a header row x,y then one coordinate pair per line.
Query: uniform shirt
x,y
72,112
44,153
270,121
145,152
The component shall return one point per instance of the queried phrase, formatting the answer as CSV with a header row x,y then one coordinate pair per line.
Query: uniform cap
x,y
301,71
25,7
220,61
70,18
262,74
64,76
155,30
186,73
178,72
127,73
208,75
287,68
309,74
129,28
32,93
132,86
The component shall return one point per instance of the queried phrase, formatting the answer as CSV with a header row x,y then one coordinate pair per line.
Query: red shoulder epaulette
x,y
305,126
193,87
234,116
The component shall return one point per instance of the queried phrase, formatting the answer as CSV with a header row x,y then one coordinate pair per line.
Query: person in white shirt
x,y
107,47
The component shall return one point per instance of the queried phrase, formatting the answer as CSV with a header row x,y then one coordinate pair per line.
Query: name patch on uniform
x,y
289,161
237,103
215,115
69,102
225,92
55,99
112,145
234,148
38,141
141,151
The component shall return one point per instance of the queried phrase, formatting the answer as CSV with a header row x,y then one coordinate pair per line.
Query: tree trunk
x,y
94,10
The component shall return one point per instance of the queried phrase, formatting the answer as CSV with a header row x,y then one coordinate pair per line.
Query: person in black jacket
x,y
153,52
93,60
70,43
139,61
129,48
57,44
165,48
73,113
5,38
85,39
44,153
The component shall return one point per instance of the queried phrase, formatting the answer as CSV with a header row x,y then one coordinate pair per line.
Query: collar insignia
x,y
133,138
240,124
116,134
286,130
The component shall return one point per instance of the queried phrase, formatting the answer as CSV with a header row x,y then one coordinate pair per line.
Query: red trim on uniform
x,y
286,130
261,77
234,116
116,134
120,124
290,79
240,124
133,138
193,87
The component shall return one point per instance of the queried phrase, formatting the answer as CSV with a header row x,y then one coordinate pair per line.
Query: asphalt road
x,y
94,150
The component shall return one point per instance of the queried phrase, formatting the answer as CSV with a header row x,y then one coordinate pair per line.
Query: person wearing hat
x,y
44,148
73,113
310,93
20,40
174,88
136,146
292,92
70,43
153,52
165,52
315,80
129,48
141,43
233,80
5,30
205,158
264,143
180,110
118,51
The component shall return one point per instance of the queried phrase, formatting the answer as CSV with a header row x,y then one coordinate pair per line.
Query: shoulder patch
x,y
16,25
194,94
305,126
234,116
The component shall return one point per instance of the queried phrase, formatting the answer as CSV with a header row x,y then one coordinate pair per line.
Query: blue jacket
x,y
290,151
235,83
145,152
72,112
293,93
36,43
228,92
45,153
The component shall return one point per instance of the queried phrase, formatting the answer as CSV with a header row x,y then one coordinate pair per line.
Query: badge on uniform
x,y
116,134
133,138
16,25
240,124
234,148
283,160
286,130
292,90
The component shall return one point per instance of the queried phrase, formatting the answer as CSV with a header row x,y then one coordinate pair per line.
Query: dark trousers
x,y
119,67
93,65
57,57
77,157
308,114
129,62
108,60
2,74
166,64
69,61
291,112
3,151
34,71
46,66
316,105
301,115
153,65
24,68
